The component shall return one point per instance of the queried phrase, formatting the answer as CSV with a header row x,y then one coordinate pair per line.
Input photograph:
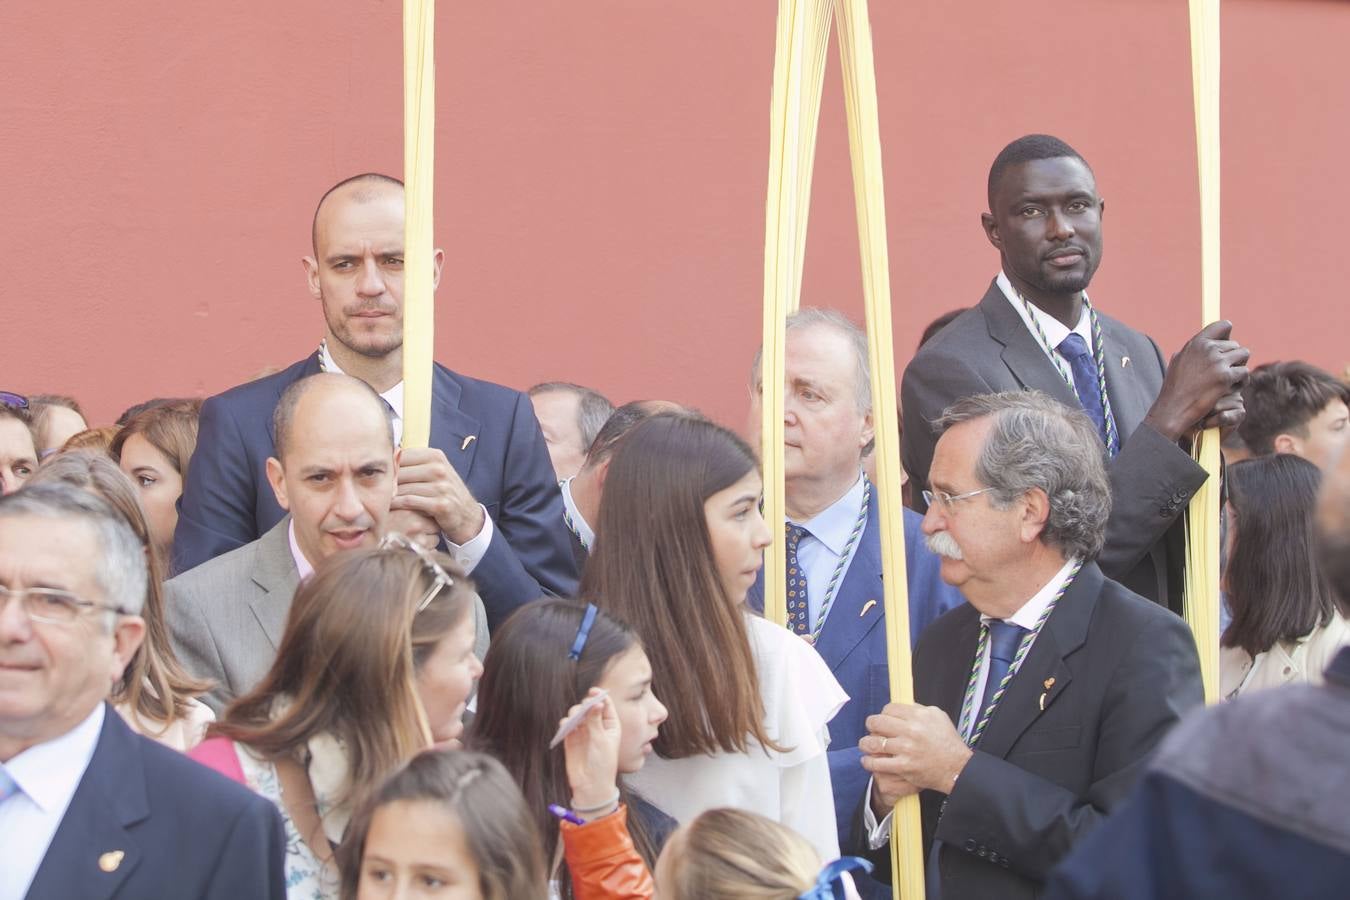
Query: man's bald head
x,y
1333,528
361,188
328,400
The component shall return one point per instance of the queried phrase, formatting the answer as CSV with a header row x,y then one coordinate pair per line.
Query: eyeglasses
x,y
440,579
8,398
54,606
949,501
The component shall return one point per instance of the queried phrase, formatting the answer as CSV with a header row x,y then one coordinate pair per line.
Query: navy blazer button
x,y
970,845
982,853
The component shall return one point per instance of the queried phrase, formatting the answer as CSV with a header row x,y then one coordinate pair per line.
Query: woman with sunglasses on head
x,y
547,659
156,696
679,543
375,665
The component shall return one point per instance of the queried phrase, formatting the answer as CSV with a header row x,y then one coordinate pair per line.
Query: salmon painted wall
x,y
601,170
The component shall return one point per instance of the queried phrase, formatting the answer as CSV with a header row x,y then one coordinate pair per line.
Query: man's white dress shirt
x,y
46,777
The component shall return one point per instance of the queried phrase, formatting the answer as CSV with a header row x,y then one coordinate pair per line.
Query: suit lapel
x,y
1022,353
858,608
92,852
1126,384
310,367
943,682
277,578
1064,632
451,428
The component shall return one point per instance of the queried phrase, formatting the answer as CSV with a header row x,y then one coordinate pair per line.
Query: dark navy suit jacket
x,y
227,501
853,644
183,830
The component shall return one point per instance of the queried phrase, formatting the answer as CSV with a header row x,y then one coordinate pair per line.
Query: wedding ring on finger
x,y
883,745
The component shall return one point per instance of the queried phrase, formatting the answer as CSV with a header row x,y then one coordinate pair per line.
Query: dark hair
x,y
371,177
348,661
171,428
940,323
1281,398
593,408
284,413
132,411
619,423
479,793
529,682
1276,590
1029,148
653,565
1333,530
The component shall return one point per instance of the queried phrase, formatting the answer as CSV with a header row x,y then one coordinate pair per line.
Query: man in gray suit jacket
x,y
335,473
1036,329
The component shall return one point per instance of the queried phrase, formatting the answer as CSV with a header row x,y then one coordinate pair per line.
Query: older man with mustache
x,y
1038,701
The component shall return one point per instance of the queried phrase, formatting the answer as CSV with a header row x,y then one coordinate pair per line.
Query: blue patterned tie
x,y
1003,640
1085,379
799,617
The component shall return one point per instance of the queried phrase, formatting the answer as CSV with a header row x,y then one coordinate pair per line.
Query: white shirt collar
x,y
50,772
301,562
1031,611
833,525
584,531
1054,329
393,396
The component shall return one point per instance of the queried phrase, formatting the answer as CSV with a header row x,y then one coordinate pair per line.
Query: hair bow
x,y
828,879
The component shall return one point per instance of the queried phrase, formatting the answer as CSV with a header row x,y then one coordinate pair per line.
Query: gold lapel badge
x,y
1047,684
866,606
467,441
109,861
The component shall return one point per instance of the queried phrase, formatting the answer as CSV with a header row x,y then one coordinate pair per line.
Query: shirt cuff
x,y
878,833
471,552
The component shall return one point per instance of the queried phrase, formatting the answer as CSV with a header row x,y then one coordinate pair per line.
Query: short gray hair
x,y
813,316
120,567
1036,442
593,407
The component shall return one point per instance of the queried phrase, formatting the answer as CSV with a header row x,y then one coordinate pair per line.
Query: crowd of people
x,y
256,647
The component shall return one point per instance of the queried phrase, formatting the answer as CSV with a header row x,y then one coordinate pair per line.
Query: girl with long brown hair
x,y
548,657
679,543
154,449
375,665
156,696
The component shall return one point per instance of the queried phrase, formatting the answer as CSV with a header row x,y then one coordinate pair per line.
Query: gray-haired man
x,y
87,807
1036,703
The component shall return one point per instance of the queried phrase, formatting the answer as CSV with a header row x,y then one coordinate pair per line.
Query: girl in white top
x,y
679,543
1285,627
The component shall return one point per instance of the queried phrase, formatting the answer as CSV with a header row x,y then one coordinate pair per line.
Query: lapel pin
x,y
467,441
866,606
109,861
1124,361
1047,684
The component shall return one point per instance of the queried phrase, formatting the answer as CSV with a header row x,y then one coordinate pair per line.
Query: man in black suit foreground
x,y
1036,703
1036,329
87,807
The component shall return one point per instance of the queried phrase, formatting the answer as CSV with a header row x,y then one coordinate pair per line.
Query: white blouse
x,y
800,696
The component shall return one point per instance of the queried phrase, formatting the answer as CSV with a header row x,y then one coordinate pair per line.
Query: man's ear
x,y
1035,515
1288,443
437,261
277,479
128,633
312,276
869,432
991,230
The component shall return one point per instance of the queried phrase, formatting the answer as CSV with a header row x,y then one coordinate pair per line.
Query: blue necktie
x,y
799,617
1003,640
1085,380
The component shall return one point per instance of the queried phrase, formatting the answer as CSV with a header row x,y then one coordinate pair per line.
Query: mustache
x,y
943,544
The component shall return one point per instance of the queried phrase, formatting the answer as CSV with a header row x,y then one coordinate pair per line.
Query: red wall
x,y
601,172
